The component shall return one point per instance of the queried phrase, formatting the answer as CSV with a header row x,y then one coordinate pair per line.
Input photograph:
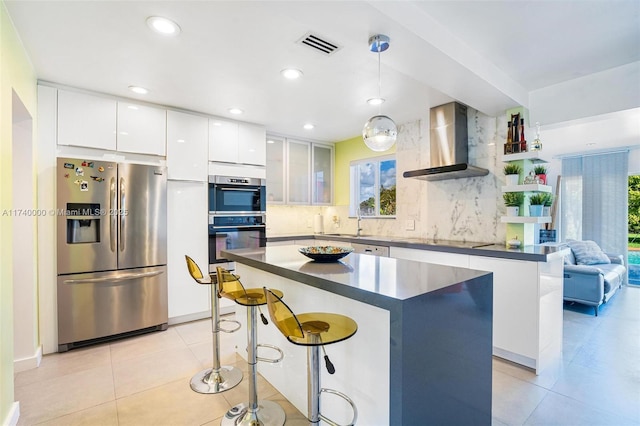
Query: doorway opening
x,y
26,352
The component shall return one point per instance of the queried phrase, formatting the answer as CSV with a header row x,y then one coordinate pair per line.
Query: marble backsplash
x,y
467,209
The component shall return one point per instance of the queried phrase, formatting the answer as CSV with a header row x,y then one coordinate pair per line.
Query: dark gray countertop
x,y
379,281
440,326
531,253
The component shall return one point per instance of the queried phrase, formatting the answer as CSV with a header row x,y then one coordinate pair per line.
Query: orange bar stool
x,y
313,330
217,378
254,413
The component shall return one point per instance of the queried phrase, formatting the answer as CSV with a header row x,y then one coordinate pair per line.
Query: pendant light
x,y
380,132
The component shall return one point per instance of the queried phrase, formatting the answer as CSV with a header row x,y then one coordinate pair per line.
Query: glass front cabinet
x,y
299,172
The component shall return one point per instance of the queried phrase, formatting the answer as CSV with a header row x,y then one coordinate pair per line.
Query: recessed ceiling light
x,y
270,141
591,144
133,107
163,25
308,126
375,101
291,73
235,111
217,124
139,90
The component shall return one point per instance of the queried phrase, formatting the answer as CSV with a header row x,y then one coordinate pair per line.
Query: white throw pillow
x,y
588,252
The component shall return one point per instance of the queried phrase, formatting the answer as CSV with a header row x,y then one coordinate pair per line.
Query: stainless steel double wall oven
x,y
237,207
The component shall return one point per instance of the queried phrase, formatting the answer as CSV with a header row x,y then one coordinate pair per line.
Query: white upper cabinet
x,y
233,142
86,120
187,146
223,141
141,129
252,148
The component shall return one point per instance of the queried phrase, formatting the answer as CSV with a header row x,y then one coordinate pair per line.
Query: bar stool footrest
x,y
228,330
270,360
346,398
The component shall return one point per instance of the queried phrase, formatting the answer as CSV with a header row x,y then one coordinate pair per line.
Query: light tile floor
x,y
144,380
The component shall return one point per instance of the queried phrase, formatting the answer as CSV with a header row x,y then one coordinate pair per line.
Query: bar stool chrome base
x,y
268,413
209,381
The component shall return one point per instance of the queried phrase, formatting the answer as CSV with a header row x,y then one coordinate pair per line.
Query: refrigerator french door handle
x,y
121,211
118,278
112,214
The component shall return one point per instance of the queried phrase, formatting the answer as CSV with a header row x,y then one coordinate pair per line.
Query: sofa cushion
x,y
588,252
613,275
570,259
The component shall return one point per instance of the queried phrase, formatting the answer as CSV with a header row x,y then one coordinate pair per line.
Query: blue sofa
x,y
595,283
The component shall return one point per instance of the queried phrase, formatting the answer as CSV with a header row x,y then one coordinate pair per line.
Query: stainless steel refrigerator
x,y
112,250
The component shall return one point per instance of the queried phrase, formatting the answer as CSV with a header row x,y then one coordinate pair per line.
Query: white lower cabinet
x,y
527,303
187,221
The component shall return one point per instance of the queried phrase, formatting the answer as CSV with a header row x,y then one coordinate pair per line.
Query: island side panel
x,y
445,356
361,362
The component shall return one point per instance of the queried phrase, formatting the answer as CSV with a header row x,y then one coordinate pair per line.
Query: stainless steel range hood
x,y
449,146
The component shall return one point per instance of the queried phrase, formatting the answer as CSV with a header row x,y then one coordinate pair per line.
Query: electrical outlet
x,y
409,225
309,224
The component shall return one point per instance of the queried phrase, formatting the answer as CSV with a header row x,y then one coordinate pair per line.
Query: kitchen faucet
x,y
359,219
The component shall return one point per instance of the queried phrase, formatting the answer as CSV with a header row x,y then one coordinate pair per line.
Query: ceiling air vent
x,y
320,45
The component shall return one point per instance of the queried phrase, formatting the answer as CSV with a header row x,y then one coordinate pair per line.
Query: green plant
x,y
537,199
548,199
513,199
512,169
540,170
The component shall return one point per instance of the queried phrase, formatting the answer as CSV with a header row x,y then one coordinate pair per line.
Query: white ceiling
x,y
486,54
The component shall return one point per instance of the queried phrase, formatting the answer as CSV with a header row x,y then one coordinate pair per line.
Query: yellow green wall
x,y
345,152
16,74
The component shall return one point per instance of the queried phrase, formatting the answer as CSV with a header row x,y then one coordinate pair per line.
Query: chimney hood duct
x,y
449,146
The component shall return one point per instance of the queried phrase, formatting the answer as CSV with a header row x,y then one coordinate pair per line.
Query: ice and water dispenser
x,y
83,223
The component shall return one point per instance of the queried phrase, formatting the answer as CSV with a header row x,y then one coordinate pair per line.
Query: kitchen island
x,y
422,353
527,287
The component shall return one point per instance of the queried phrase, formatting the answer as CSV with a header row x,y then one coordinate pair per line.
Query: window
x,y
373,187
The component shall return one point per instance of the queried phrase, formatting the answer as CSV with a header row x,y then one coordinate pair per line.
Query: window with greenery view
x,y
373,187
634,211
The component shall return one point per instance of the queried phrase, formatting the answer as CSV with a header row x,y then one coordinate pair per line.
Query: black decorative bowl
x,y
325,253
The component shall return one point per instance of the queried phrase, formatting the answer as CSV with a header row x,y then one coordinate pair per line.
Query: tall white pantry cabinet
x,y
187,215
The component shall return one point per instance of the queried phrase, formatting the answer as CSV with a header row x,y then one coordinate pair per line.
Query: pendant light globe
x,y
379,132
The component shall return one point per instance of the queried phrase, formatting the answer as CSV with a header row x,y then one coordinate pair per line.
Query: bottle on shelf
x,y
537,145
523,142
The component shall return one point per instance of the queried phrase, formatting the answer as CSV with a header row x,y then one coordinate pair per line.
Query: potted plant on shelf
x,y
513,201
512,172
541,173
536,202
548,201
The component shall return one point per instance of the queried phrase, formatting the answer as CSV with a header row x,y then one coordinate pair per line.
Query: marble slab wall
x,y
467,209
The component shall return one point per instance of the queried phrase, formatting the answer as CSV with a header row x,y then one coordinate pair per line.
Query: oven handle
x,y
231,228
228,188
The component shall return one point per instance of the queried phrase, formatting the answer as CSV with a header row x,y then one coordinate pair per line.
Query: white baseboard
x,y
224,310
513,357
29,363
13,415
189,317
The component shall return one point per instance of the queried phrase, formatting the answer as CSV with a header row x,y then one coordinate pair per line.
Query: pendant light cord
x,y
379,82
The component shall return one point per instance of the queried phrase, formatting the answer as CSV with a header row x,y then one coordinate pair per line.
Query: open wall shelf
x,y
525,219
